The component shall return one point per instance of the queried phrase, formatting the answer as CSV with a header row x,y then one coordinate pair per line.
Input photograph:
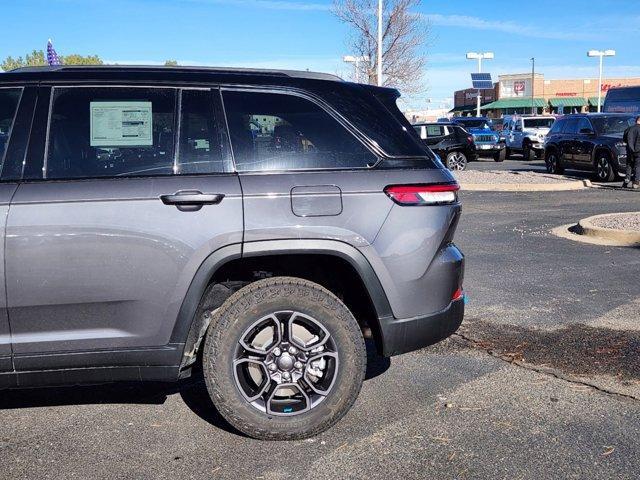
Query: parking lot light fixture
x,y
356,60
479,56
601,54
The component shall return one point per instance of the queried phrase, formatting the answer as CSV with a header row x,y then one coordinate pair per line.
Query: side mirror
x,y
587,131
518,128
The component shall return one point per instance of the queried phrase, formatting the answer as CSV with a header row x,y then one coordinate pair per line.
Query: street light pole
x,y
479,57
601,54
379,43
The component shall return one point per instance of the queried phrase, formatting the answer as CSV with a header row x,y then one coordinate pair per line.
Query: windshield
x,y
612,125
538,122
474,123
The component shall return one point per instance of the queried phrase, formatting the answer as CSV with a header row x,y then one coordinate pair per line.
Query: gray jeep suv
x,y
250,226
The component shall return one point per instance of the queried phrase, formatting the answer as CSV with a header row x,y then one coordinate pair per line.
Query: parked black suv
x,y
253,226
589,142
450,141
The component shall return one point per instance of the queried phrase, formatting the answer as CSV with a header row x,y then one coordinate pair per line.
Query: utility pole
x,y
379,43
533,84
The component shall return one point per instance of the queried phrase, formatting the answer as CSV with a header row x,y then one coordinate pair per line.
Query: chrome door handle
x,y
191,200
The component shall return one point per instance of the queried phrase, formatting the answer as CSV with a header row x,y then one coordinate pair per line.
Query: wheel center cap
x,y
285,362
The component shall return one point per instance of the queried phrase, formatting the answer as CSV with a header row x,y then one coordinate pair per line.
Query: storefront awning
x,y
505,103
594,100
465,108
568,102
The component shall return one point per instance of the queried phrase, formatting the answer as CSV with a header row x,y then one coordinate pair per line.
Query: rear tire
x,y
456,161
604,171
240,362
526,152
500,156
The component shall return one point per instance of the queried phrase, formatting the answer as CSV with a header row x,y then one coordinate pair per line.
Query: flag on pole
x,y
52,56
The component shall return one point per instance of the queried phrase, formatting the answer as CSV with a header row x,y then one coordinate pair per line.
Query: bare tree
x,y
404,39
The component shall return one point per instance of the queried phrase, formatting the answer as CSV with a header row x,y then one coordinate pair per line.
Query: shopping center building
x,y
525,93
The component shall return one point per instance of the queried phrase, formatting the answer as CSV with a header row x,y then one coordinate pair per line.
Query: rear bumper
x,y
409,334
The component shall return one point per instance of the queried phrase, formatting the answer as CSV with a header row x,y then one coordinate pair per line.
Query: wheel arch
x,y
600,149
189,329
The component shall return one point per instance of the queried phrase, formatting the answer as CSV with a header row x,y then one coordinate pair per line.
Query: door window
x,y
271,131
571,126
584,124
107,132
435,131
9,99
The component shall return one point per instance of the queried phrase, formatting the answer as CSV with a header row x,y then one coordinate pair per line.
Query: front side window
x,y
272,131
9,99
107,132
571,126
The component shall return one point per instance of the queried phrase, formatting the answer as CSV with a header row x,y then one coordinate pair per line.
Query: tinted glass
x,y
557,126
584,124
474,123
106,132
571,126
379,118
271,131
612,125
538,122
9,99
200,143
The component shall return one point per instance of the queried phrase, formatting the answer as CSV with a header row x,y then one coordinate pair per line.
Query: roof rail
x,y
192,69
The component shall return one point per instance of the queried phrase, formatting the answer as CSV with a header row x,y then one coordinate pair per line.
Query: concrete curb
x,y
526,187
630,238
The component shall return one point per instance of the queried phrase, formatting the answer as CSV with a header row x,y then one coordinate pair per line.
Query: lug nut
x,y
298,365
286,376
293,350
277,352
272,367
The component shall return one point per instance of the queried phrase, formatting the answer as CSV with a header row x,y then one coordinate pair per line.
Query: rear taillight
x,y
434,194
458,295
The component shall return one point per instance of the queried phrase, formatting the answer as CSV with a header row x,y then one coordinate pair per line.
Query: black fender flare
x,y
220,257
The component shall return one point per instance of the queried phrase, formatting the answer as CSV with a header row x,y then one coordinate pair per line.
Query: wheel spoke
x,y
321,335
256,329
243,383
314,385
281,409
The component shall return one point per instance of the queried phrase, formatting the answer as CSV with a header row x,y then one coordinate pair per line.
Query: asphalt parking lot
x,y
543,380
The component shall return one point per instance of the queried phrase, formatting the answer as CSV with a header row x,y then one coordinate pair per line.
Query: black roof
x,y
144,72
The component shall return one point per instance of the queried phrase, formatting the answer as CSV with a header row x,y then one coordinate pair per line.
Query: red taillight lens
x,y
435,194
458,295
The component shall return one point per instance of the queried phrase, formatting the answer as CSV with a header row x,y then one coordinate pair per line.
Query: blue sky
x,y
303,34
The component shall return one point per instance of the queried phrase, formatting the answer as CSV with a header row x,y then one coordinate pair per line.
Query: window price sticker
x,y
121,124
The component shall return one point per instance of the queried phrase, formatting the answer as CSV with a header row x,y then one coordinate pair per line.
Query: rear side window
x,y
272,131
9,99
435,131
106,132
